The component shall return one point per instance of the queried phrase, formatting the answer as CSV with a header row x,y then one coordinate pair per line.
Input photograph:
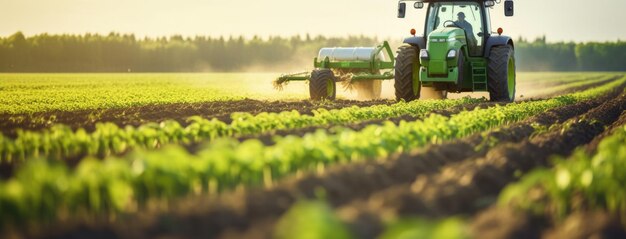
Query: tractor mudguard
x,y
416,41
496,41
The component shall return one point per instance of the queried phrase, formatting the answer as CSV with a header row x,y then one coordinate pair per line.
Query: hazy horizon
x,y
286,18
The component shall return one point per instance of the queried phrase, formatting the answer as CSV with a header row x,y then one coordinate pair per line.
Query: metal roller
x,y
349,54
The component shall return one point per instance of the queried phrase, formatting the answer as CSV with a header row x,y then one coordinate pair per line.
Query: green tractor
x,y
457,53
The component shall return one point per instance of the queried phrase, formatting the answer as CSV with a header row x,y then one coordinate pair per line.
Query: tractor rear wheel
x,y
322,85
406,82
501,74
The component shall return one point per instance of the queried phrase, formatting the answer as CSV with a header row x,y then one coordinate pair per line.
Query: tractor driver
x,y
469,31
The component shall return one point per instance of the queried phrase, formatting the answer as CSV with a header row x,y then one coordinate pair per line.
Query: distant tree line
x,y
539,55
124,52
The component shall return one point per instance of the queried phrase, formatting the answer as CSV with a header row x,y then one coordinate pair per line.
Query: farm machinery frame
x,y
457,52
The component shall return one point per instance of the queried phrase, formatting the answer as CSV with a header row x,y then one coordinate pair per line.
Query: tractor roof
x,y
450,0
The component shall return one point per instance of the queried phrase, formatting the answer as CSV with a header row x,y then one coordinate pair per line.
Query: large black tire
x,y
406,61
322,85
368,89
501,74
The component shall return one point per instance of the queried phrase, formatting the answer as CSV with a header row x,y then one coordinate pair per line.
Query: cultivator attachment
x,y
360,68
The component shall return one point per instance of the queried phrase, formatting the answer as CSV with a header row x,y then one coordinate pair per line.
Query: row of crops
x,y
317,218
583,182
564,85
31,93
596,179
121,184
61,142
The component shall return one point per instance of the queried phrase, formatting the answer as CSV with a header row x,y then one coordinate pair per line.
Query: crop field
x,y
228,156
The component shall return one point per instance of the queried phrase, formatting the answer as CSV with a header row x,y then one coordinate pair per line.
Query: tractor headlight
x,y
424,54
451,54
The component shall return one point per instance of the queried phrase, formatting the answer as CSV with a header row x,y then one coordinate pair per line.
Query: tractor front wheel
x,y
322,85
501,74
406,82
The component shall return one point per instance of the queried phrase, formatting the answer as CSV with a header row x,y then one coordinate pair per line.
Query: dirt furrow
x,y
468,186
505,222
266,138
240,211
139,115
621,122
580,88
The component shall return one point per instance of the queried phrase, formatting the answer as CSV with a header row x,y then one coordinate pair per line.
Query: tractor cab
x,y
445,19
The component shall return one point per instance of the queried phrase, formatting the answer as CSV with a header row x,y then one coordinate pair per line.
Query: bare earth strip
x,y
354,185
138,115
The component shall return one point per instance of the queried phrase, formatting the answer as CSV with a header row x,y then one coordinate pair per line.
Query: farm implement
x,y
457,52
362,68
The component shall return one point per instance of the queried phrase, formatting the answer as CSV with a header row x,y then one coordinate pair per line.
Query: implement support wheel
x,y
322,85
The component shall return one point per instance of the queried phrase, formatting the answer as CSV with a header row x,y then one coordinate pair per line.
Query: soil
x,y
468,186
593,146
139,115
581,88
221,110
429,182
504,222
266,138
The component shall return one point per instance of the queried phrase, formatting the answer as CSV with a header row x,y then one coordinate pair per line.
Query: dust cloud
x,y
388,92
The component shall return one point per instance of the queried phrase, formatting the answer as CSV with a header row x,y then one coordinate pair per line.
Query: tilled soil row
x,y
546,84
458,187
7,169
266,138
580,88
505,222
139,115
241,211
221,110
593,146
468,186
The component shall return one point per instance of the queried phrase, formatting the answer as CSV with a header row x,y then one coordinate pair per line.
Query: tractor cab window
x,y
466,15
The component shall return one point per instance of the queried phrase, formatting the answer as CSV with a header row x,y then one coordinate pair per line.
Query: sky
x,y
558,20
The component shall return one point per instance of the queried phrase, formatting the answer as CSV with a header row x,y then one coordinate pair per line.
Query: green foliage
x,y
576,82
311,220
581,182
607,56
113,183
561,56
30,93
122,53
61,142
416,228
